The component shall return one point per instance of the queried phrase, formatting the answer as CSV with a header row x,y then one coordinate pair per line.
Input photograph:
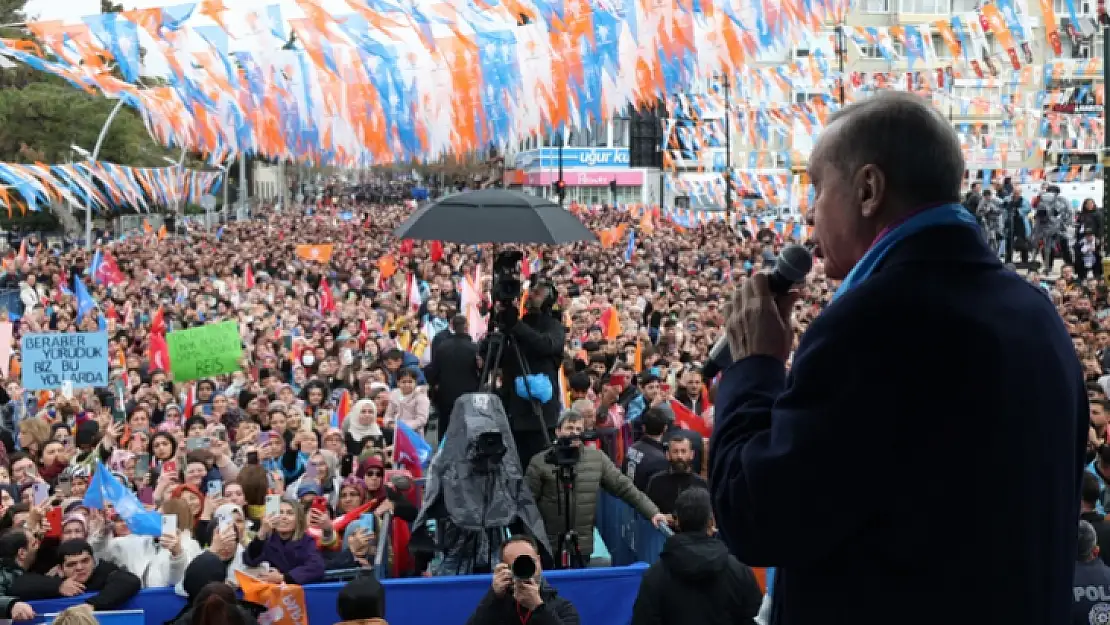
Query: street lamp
x,y
227,174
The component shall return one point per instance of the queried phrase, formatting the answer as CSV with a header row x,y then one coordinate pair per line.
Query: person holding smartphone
x,y
281,541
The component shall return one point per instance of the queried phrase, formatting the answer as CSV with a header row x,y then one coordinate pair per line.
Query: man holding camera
x,y
539,337
573,470
519,593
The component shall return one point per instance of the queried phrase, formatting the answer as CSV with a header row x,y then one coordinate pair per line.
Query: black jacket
x,y
1102,530
696,581
1090,593
452,372
494,610
540,338
663,488
1088,221
114,586
644,459
871,562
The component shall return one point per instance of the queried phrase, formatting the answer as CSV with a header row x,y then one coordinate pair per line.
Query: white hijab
x,y
357,430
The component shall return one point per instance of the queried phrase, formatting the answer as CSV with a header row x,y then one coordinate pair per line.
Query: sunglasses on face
x,y
375,474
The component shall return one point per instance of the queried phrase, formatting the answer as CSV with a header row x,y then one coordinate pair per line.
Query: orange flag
x,y
285,602
162,232
320,253
611,323
147,228
387,266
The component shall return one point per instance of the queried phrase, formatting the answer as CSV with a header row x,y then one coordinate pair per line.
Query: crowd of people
x,y
337,357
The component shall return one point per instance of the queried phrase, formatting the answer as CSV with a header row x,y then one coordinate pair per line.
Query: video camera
x,y
564,453
507,286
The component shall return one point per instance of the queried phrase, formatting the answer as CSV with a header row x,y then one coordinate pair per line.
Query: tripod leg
x,y
537,410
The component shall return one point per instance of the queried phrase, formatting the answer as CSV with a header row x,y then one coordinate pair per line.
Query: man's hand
x,y
22,612
502,579
273,576
660,520
759,321
527,594
71,588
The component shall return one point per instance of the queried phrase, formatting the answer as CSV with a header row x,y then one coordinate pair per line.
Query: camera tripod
x,y
568,553
491,362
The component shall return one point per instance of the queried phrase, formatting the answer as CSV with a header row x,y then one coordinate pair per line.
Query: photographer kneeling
x,y
519,593
565,480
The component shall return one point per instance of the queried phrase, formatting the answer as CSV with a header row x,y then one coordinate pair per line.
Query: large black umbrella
x,y
494,216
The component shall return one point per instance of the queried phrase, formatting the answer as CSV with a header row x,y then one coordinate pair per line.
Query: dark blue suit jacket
x,y
922,461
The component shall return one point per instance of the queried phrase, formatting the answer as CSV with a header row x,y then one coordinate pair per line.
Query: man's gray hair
x,y
582,406
569,415
905,136
1088,541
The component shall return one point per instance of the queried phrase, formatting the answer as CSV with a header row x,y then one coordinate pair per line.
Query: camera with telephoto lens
x,y
523,568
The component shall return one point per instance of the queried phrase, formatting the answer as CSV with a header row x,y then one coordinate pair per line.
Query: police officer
x,y
1091,585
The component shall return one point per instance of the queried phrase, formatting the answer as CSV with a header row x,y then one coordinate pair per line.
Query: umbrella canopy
x,y
494,216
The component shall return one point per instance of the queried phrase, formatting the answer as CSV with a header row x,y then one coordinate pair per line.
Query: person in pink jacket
x,y
407,403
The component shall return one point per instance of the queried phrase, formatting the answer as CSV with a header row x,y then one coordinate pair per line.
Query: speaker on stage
x,y
646,136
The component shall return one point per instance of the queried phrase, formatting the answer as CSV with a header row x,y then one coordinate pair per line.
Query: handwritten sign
x,y
206,351
51,359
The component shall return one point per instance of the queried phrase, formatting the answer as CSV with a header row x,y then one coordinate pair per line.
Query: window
x,y
927,7
876,6
801,52
966,6
1082,7
804,97
941,48
870,51
621,129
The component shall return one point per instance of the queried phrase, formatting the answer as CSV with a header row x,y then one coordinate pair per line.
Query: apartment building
x,y
1018,120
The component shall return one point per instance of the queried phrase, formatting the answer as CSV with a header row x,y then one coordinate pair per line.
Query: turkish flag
x,y
687,420
436,251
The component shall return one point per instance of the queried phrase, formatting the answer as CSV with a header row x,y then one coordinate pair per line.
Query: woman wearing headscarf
x,y
326,477
361,426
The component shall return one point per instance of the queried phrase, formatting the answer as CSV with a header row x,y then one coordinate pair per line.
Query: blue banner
x,y
590,158
602,597
51,359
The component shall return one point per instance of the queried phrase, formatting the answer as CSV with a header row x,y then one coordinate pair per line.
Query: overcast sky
x,y
72,10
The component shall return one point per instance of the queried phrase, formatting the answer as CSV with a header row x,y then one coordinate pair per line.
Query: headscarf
x,y
373,462
353,481
78,518
358,431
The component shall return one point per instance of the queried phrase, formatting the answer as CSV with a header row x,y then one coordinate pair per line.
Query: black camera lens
x,y
524,567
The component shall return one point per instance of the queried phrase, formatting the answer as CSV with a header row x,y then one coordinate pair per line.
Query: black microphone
x,y
791,267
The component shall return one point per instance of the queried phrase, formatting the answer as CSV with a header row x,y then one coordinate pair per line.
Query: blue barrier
x,y
602,596
629,536
113,617
10,301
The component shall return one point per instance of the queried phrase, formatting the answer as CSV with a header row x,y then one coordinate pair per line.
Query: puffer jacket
x,y
594,471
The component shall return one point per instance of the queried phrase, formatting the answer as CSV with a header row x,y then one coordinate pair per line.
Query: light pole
x,y
91,157
180,165
227,172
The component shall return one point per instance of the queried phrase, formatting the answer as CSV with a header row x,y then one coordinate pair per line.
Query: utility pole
x,y
728,149
562,185
841,51
1105,131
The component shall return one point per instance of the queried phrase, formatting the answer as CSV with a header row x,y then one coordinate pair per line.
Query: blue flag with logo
x,y
105,487
85,302
421,446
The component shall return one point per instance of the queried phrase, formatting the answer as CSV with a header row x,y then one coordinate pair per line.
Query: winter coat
x,y
697,581
594,471
164,569
494,610
413,410
297,559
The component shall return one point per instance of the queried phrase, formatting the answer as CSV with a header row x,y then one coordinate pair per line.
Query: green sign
x,y
205,351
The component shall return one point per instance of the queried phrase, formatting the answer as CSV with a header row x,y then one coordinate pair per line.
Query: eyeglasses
x,y
375,474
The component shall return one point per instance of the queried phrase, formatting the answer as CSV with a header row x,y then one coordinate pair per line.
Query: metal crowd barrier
x,y
628,536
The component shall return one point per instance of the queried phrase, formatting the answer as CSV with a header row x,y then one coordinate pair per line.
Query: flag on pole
x,y
105,488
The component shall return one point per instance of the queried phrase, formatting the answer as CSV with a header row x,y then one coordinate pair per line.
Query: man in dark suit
x,y
453,370
864,474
